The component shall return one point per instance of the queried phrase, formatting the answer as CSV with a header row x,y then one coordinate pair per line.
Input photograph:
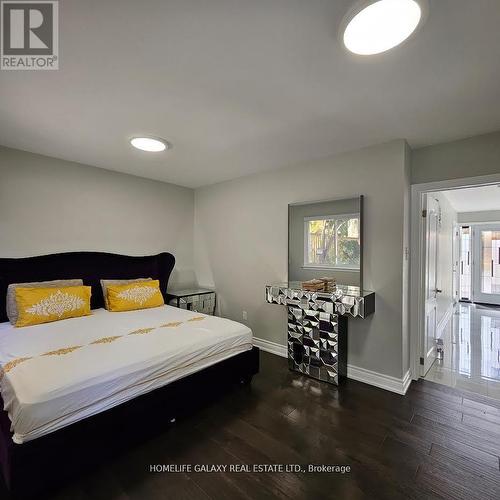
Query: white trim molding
x,y
387,382
272,347
393,384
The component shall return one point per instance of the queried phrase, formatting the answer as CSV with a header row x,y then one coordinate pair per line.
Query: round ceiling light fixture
x,y
150,144
373,27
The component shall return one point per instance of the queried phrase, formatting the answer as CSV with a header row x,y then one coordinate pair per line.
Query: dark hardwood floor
x,y
435,442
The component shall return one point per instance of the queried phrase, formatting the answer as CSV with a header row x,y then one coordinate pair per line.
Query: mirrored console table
x,y
317,326
194,299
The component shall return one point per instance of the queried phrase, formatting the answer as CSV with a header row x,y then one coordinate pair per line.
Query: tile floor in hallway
x,y
471,351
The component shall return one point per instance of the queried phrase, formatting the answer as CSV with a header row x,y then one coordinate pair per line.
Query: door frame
x,y
417,252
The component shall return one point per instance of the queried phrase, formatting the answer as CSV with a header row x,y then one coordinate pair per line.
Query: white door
x,y
486,264
431,291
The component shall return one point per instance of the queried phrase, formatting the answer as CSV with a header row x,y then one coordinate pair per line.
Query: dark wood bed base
x,y
44,463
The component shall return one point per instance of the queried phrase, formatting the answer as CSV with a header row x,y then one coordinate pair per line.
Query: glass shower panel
x,y
465,263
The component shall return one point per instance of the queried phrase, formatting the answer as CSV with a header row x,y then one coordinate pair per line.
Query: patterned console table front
x,y
317,327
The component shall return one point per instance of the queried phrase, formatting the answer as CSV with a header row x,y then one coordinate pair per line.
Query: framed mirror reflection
x,y
325,240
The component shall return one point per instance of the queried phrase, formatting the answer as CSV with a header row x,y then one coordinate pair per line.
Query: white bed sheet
x,y
46,393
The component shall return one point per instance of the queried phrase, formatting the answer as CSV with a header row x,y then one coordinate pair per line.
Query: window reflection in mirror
x,y
325,239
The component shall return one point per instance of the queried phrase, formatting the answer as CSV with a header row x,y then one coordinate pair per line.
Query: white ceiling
x,y
243,86
476,199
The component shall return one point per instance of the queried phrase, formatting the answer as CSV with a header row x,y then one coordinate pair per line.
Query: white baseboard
x,y
393,384
407,379
272,347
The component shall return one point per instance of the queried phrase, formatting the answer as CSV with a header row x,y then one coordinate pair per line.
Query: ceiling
x,y
241,86
475,199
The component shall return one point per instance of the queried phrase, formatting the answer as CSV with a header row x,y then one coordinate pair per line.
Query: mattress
x,y
58,373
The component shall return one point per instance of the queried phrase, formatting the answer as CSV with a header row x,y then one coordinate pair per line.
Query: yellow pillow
x,y
42,305
131,296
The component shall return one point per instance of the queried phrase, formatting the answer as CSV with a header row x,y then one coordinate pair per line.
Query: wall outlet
x,y
245,315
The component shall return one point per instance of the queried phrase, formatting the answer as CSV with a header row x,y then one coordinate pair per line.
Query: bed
x,y
139,369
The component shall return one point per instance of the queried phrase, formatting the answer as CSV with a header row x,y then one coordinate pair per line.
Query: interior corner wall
x,y
49,205
241,244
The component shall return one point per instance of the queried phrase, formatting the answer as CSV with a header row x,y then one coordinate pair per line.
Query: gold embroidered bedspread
x,y
56,373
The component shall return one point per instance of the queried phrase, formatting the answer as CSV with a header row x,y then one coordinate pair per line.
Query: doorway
x,y
455,284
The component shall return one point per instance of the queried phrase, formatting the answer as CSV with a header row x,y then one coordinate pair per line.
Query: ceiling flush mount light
x,y
376,26
150,144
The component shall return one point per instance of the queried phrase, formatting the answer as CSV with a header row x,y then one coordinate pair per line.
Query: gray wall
x,y
49,205
241,244
240,226
479,155
485,216
296,270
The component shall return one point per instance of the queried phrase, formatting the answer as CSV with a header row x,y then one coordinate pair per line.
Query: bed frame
x,y
46,462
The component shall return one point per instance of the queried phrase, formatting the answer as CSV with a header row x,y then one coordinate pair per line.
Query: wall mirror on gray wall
x,y
325,238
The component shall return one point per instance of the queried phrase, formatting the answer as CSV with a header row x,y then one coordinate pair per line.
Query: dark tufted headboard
x,y
89,266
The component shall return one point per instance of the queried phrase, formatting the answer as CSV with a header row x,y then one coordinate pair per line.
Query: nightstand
x,y
194,299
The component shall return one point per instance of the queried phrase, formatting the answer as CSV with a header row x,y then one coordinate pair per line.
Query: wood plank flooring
x,y
435,442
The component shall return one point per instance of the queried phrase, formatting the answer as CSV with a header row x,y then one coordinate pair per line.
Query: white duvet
x,y
116,357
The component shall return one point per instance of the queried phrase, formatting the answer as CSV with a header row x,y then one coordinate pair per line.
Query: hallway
x,y
471,359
